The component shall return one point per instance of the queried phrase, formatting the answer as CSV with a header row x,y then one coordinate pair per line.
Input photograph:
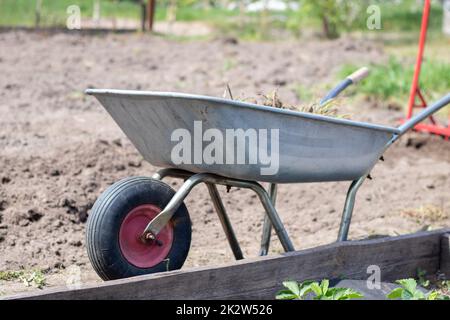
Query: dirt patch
x,y
60,149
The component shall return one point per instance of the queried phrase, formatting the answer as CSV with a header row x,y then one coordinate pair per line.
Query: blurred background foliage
x,y
250,19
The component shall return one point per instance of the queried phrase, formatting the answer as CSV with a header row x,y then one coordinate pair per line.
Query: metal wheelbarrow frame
x,y
267,197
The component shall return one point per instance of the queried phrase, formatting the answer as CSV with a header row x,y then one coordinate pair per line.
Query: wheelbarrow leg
x,y
267,227
225,221
274,217
348,209
218,205
155,226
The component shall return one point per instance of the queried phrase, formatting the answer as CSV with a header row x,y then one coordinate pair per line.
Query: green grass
x,y
21,12
191,13
9,275
393,80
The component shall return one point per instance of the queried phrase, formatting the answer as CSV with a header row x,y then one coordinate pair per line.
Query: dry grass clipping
x,y
425,213
329,109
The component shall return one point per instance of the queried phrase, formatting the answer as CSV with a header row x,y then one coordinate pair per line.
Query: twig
x,y
228,90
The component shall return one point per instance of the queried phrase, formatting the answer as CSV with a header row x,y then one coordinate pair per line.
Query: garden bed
x,y
260,278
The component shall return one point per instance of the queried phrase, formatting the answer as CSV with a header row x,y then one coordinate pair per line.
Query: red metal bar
x,y
421,98
424,105
434,127
422,40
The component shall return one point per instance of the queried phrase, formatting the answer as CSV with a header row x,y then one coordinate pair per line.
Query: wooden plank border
x,y
260,278
445,255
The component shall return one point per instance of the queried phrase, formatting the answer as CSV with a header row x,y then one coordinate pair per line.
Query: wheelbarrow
x,y
140,225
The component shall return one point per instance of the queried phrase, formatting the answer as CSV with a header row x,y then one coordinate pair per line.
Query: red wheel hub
x,y
139,253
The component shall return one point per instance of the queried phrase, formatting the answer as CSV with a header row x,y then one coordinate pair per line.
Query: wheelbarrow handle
x,y
428,111
354,78
359,75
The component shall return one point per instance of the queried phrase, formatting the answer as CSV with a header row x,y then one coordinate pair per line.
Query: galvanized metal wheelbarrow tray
x,y
312,148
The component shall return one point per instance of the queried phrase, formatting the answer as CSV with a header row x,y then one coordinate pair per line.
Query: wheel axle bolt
x,y
150,236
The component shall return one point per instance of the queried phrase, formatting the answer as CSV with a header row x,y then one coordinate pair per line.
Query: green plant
x,y
408,291
393,80
421,278
294,290
333,14
322,291
444,286
34,278
10,275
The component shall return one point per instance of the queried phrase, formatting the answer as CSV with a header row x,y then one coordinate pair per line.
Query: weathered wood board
x,y
261,278
445,255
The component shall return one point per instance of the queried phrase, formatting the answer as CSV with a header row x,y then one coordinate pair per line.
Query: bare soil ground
x,y
59,149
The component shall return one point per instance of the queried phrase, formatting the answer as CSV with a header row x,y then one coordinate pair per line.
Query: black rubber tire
x,y
107,215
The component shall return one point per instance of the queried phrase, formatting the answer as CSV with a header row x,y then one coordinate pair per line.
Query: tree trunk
x,y
151,13
329,29
143,15
37,12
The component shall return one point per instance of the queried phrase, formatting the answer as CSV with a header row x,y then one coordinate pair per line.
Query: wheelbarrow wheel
x,y
115,225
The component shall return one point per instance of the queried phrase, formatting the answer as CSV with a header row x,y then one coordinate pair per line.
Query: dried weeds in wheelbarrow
x,y
329,108
140,225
